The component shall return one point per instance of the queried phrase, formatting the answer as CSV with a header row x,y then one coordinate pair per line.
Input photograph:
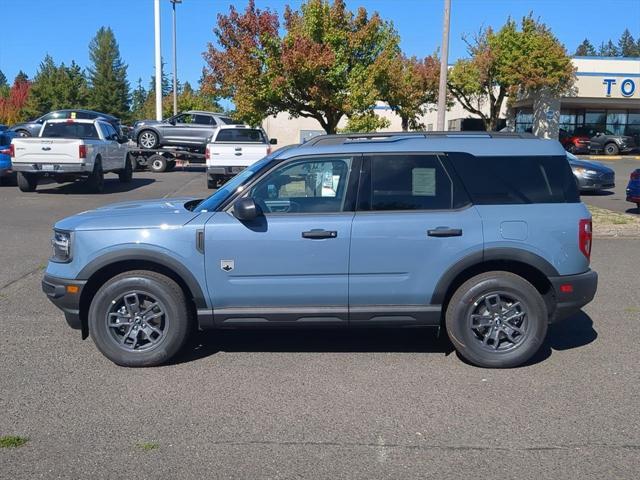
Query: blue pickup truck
x,y
483,235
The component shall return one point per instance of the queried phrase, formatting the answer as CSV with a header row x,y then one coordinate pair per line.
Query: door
x,y
290,265
412,223
181,131
112,162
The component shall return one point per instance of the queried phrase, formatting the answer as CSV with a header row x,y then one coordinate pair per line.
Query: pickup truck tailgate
x,y
47,150
236,154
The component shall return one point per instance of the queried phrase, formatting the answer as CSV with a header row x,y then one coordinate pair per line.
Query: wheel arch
x,y
527,265
100,270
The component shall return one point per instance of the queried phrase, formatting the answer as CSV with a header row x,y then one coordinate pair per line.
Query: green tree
x,y
55,87
324,66
138,97
365,122
585,49
21,77
108,75
627,45
4,86
167,84
511,62
608,49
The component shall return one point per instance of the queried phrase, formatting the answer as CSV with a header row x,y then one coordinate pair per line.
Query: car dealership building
x,y
606,96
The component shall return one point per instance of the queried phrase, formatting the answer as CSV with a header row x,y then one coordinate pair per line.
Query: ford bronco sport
x,y
460,231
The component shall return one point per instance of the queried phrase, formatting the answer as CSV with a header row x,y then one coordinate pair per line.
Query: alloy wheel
x,y
498,321
148,140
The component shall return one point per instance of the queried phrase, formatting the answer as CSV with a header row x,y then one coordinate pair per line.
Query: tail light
x,y
12,151
585,236
207,154
635,175
269,150
82,151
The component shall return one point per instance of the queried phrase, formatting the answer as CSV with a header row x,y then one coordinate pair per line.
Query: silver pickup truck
x,y
67,150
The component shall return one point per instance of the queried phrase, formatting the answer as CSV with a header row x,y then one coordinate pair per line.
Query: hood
x,y
150,121
161,213
590,165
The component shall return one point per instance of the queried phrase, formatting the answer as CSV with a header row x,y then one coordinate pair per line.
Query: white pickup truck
x,y
232,148
67,150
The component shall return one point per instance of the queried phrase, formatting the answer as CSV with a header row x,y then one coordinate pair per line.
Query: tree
x,y
21,77
608,49
323,67
107,75
627,45
585,49
510,63
4,86
167,85
409,87
138,97
55,87
12,106
365,122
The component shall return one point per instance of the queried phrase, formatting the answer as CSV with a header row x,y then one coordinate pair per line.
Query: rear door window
x,y
203,119
516,179
240,135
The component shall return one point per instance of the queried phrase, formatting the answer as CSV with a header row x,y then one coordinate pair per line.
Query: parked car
x,y
576,142
484,235
6,172
233,148
190,129
67,150
591,176
633,188
32,128
607,142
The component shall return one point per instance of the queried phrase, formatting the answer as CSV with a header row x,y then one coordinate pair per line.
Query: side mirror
x,y
246,209
273,141
122,139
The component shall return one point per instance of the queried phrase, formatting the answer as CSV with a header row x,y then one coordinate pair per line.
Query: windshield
x,y
211,203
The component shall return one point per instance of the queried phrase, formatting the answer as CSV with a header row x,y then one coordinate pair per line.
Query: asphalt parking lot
x,y
323,404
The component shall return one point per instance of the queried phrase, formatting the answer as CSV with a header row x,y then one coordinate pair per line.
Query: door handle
x,y
318,233
445,232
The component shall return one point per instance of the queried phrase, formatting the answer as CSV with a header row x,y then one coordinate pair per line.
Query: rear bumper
x,y
582,290
58,292
53,168
226,170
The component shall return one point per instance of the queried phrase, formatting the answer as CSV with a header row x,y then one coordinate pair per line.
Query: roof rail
x,y
342,138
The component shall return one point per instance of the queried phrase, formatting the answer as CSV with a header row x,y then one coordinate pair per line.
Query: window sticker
x,y
423,182
73,115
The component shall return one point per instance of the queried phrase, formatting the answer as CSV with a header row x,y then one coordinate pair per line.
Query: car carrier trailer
x,y
164,159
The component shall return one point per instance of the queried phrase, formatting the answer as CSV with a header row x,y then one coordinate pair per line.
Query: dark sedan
x,y
591,176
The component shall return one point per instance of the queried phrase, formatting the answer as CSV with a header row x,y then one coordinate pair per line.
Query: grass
x,y
632,310
12,441
602,216
147,446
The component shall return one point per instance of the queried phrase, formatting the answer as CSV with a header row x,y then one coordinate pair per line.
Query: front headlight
x,y
583,171
61,244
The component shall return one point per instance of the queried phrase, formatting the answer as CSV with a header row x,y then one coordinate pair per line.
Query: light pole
x,y
444,61
156,12
175,59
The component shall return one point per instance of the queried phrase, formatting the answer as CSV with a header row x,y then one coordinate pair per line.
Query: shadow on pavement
x,y
111,185
597,193
399,340
633,210
573,332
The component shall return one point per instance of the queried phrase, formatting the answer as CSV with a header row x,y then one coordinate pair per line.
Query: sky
x,y
63,28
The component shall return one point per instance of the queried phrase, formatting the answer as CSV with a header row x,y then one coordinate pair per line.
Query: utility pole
x,y
175,60
444,65
156,12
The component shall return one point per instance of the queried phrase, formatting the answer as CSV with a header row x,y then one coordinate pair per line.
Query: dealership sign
x,y
628,87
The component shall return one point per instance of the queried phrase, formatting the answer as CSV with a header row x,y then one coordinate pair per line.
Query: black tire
x,y
173,324
611,149
27,182
95,181
571,148
126,174
23,133
473,326
171,164
157,163
148,139
212,181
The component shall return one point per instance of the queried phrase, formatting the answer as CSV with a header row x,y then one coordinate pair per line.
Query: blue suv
x,y
464,232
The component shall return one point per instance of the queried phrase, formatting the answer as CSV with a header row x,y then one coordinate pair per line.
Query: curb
x,y
609,158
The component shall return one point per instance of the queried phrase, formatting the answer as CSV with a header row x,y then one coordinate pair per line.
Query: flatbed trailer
x,y
164,159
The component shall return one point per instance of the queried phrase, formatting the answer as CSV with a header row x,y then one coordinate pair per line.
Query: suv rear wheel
x,y
497,319
139,319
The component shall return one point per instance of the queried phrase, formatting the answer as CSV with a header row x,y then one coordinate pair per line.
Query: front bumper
x,y
65,294
582,290
46,169
226,170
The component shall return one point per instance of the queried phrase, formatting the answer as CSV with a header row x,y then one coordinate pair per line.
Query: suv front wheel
x,y
139,319
497,320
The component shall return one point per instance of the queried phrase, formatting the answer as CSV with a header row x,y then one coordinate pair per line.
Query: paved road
x,y
615,199
377,404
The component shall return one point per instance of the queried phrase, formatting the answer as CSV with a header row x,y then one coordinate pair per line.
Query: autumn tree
x,y
324,66
410,87
12,106
511,62
107,75
585,49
